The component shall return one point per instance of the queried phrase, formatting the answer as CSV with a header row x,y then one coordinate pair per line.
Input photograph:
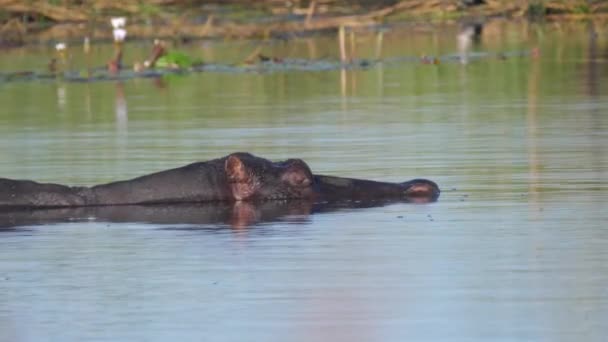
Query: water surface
x,y
516,248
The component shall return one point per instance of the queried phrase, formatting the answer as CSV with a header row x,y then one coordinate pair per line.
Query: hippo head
x,y
254,178
421,190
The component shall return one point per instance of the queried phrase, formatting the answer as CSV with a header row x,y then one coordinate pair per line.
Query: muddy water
x,y
515,249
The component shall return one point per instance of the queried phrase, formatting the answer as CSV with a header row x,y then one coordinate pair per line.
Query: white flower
x,y
119,22
119,34
60,46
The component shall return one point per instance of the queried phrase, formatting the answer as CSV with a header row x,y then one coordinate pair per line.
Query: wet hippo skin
x,y
236,177
332,188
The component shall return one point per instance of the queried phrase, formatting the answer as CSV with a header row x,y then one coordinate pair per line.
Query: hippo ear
x,y
241,182
235,169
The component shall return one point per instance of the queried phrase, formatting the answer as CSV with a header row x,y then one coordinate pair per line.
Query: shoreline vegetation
x,y
41,21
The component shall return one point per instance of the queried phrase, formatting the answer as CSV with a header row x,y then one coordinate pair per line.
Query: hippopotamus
x,y
233,178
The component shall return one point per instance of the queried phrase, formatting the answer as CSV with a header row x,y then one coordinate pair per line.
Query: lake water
x,y
516,248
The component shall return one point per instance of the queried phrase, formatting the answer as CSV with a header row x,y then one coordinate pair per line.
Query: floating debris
x,y
60,47
430,60
161,63
158,50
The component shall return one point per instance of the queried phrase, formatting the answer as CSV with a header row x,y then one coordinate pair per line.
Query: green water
x,y
515,249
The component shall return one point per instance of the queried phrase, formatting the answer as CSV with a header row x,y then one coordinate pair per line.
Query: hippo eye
x,y
302,181
297,178
297,173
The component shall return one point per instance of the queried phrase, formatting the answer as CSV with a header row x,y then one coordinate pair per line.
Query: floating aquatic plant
x,y
177,60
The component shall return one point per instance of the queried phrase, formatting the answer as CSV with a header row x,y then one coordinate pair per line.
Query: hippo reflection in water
x,y
195,216
238,177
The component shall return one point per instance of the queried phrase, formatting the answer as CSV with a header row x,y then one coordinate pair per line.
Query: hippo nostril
x,y
421,190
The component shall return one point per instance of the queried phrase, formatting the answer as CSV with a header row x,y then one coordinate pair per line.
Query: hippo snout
x,y
421,190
